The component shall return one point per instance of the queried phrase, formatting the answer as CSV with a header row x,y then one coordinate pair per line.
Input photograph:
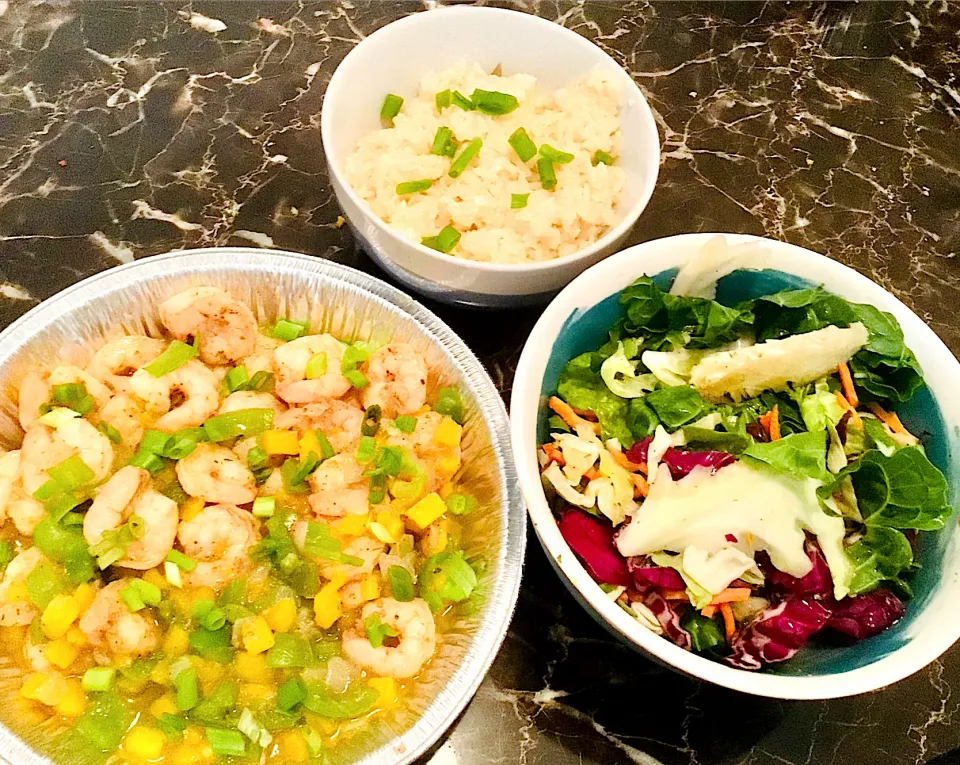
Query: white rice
x,y
580,119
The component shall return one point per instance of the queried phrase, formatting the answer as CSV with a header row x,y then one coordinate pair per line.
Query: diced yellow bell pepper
x,y
434,540
254,693
84,595
388,526
426,511
351,525
143,743
59,614
32,685
447,434
209,672
17,592
446,490
280,442
200,593
282,615
386,687
155,578
165,705
327,604
75,635
60,652
370,587
448,464
292,747
255,634
73,700
310,443
193,750
252,667
422,410
161,673
176,642
191,508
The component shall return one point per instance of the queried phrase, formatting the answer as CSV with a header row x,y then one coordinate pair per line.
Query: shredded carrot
x,y
591,474
675,595
570,417
585,414
729,624
553,452
621,459
640,486
709,611
846,382
775,423
855,419
889,419
730,595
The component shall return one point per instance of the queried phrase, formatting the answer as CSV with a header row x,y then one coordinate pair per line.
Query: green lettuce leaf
x,y
582,387
880,556
820,407
642,421
799,454
715,440
677,406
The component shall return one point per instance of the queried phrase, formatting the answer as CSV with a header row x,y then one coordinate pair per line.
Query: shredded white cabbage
x,y
620,376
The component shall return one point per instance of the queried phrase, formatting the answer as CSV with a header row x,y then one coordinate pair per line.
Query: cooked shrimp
x,y
261,360
123,413
218,538
216,474
44,447
37,389
339,420
14,606
116,632
398,380
248,399
339,487
9,471
115,363
225,326
291,361
400,656
367,549
25,512
129,492
183,398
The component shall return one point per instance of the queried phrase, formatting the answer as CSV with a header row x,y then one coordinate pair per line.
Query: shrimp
x,y
123,413
291,361
367,549
400,656
339,487
225,326
116,632
116,361
14,607
37,389
398,380
183,398
218,538
339,420
25,512
426,452
44,447
129,492
9,470
261,360
215,474
248,399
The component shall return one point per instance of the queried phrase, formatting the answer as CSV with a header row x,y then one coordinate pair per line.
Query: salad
x,y
736,477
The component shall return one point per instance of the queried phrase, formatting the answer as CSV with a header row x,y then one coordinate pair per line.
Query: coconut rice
x,y
580,119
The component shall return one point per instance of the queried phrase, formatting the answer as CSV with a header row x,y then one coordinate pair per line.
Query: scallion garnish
x,y
469,152
405,423
601,157
518,200
494,102
285,329
390,109
444,144
175,356
445,241
243,422
264,507
555,155
181,561
443,99
412,187
460,100
548,177
522,144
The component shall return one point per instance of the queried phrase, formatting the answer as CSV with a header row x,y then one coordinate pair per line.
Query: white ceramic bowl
x,y
393,59
576,321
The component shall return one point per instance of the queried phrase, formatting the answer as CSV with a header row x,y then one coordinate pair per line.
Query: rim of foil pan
x,y
506,562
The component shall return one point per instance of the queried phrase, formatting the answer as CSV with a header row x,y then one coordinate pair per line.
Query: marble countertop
x,y
132,129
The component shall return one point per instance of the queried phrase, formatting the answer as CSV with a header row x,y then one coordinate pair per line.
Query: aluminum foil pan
x,y
333,298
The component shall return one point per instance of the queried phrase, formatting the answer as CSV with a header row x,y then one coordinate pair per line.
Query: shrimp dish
x,y
232,541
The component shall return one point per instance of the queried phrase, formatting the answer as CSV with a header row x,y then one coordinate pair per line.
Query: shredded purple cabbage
x,y
865,615
591,539
680,463
669,617
777,633
654,576
817,582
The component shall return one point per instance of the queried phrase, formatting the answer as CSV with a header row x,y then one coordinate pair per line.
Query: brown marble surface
x,y
130,129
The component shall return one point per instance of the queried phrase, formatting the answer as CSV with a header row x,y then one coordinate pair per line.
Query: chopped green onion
x,y
401,583
353,355
264,507
71,474
469,152
58,416
377,492
449,404
314,742
318,542
175,356
98,679
61,504
139,594
522,144
371,420
445,241
149,462
390,460
443,99
555,155
213,644
412,187
105,722
548,177
357,378
390,109
366,449
444,144
132,599
188,689
249,727
181,561
326,448
171,573
291,693
208,615
446,577
461,504
236,377
69,393
7,553
227,743
285,329
290,650
154,442
494,102
243,422
377,630
518,201
317,366
172,727
43,583
294,472
181,445
110,432
601,157
461,101
262,382
405,423
257,458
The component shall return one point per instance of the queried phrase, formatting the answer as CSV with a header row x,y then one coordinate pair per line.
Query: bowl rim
x,y
338,82
460,688
650,258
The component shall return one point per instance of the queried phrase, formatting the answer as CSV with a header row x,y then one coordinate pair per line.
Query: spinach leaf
x,y
715,440
582,387
799,454
794,312
676,406
706,637
641,419
880,555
